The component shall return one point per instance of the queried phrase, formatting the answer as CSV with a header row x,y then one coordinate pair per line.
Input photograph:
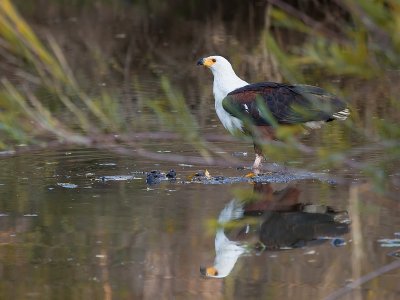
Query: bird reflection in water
x,y
272,218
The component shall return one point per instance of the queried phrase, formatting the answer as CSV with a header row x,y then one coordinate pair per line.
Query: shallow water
x,y
73,235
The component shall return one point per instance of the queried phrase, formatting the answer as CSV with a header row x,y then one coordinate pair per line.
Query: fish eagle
x,y
257,109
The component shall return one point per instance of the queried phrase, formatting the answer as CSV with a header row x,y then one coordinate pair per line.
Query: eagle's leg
x,y
259,159
257,164
261,134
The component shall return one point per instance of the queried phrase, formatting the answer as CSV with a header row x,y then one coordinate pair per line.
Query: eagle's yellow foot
x,y
251,175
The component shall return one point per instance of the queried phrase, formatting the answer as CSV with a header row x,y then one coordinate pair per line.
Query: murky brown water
x,y
67,234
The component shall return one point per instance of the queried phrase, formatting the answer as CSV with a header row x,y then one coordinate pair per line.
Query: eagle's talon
x,y
250,175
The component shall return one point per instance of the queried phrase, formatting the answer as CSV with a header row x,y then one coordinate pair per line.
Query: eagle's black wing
x,y
267,103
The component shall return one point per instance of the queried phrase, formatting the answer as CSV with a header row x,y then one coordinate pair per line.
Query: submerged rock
x,y
204,177
153,177
118,178
67,185
156,176
171,174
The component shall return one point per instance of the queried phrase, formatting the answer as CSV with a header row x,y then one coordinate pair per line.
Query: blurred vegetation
x,y
50,71
360,48
349,47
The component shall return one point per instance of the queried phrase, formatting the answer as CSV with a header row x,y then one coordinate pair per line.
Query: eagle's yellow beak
x,y
211,271
207,62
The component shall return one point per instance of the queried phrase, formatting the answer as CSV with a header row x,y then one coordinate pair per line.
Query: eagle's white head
x,y
217,64
227,252
225,81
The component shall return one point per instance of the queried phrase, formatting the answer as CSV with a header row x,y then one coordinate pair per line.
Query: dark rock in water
x,y
154,177
171,174
200,174
338,242
239,154
241,168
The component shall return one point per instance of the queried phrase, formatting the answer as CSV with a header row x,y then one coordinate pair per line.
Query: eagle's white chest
x,y
221,90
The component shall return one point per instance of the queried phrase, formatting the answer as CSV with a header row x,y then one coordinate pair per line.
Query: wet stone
x,y
200,174
204,177
153,178
117,178
67,185
338,242
156,176
171,174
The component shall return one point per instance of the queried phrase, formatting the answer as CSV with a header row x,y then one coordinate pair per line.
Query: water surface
x,y
70,233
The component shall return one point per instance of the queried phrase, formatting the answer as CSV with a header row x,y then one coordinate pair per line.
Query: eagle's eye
x,y
214,60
